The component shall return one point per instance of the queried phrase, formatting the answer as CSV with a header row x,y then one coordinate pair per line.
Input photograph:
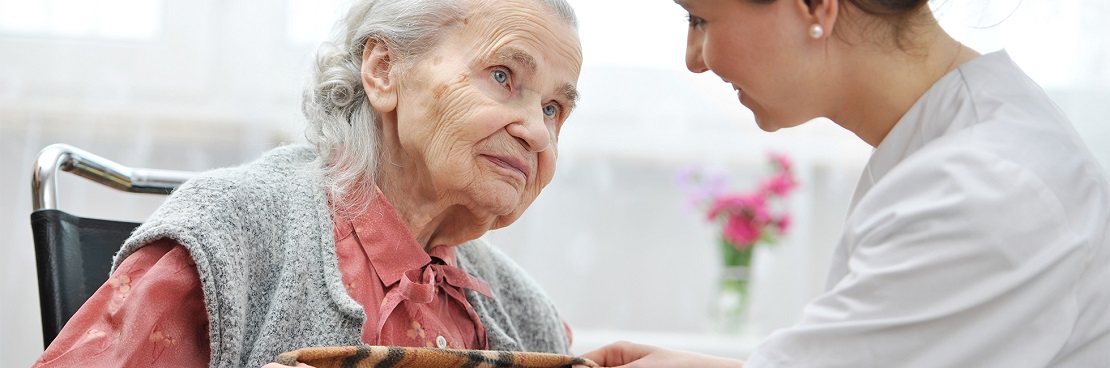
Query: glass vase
x,y
730,312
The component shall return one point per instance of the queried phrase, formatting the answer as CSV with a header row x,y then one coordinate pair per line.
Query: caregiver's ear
x,y
821,12
377,75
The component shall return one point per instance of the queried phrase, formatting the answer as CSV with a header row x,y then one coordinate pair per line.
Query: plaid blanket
x,y
406,357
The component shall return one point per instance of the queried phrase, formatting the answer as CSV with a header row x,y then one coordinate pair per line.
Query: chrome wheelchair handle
x,y
44,181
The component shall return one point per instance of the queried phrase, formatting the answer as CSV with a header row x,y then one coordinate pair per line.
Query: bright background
x,y
199,84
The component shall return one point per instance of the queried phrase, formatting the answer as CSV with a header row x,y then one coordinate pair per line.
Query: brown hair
x,y
888,8
899,15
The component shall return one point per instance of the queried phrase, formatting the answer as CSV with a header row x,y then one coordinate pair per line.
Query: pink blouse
x,y
151,311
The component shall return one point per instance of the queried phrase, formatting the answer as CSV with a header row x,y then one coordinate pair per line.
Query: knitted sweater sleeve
x,y
520,316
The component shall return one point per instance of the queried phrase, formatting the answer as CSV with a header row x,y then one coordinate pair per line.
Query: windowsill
x,y
729,346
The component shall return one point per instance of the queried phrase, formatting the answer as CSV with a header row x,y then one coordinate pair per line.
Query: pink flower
x,y
741,231
746,216
755,205
700,185
782,161
783,223
780,184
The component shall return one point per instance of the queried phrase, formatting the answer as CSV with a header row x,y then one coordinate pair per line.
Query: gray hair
x,y
342,126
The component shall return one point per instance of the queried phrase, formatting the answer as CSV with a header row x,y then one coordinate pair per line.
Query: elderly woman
x,y
430,123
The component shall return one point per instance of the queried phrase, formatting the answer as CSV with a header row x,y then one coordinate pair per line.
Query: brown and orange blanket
x,y
407,357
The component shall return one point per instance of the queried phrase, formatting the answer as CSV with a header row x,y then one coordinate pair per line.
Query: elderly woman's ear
x,y
377,73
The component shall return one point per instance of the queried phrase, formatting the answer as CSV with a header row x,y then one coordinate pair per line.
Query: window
x,y
113,19
311,21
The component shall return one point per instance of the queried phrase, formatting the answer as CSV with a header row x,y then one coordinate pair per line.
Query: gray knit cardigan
x,y
261,236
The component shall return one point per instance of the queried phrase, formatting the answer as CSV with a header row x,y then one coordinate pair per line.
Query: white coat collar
x,y
947,105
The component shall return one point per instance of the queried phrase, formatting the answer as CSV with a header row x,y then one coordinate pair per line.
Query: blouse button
x,y
441,342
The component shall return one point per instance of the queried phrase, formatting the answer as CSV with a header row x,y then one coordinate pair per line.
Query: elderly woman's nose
x,y
531,130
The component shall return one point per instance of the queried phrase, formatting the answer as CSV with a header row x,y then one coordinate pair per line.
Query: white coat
x,y
978,236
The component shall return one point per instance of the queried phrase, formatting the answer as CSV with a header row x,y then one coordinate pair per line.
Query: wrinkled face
x,y
483,110
760,49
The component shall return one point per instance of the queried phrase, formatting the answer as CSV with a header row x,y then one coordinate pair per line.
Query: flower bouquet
x,y
747,219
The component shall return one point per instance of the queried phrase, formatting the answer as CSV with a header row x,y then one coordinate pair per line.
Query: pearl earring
x,y
816,31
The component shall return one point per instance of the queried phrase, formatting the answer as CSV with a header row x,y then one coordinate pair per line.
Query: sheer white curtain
x,y
193,85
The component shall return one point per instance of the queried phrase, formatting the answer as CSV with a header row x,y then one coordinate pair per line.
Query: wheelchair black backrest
x,y
74,254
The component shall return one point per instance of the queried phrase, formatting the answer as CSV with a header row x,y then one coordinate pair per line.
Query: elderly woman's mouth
x,y
511,164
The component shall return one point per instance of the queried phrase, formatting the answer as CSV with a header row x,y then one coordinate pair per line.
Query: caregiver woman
x,y
979,233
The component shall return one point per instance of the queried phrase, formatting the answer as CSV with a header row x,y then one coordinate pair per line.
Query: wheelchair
x,y
73,254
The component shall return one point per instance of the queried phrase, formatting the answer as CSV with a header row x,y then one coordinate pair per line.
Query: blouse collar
x,y
388,243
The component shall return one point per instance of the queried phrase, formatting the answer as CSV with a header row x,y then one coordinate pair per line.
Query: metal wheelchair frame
x,y
73,254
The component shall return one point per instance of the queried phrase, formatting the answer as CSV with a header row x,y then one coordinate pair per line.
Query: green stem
x,y
735,257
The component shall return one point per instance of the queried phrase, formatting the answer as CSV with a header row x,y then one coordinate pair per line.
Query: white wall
x,y
217,82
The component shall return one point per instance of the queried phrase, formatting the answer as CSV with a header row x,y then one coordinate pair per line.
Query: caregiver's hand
x,y
628,355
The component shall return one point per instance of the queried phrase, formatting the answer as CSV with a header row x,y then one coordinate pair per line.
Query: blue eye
x,y
550,110
500,76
